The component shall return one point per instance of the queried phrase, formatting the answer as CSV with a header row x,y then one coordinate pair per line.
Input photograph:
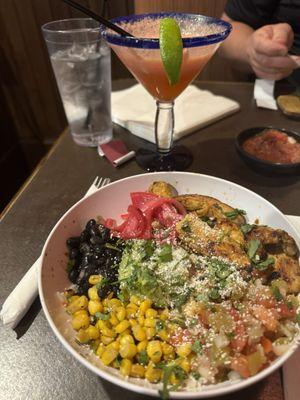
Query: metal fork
x,y
21,298
97,184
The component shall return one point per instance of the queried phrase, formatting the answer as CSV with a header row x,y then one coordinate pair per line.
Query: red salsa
x,y
273,146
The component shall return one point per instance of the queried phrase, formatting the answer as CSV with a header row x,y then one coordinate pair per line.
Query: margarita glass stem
x,y
164,126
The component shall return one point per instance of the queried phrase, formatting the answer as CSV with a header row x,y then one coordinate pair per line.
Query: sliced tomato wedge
x,y
134,225
110,223
141,199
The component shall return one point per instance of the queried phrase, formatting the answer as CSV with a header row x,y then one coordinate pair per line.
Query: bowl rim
x,y
239,140
207,391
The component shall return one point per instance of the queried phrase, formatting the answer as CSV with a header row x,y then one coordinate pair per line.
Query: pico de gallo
x,y
185,292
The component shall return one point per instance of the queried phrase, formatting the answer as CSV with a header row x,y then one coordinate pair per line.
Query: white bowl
x,y
111,201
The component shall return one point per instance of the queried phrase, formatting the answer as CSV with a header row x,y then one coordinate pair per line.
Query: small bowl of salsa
x,y
270,149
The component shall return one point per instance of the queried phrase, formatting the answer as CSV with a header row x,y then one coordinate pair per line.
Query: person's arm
x,y
263,51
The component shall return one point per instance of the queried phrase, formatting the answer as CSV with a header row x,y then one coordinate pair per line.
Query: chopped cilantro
x,y
102,283
196,375
234,213
168,370
246,228
276,293
262,266
160,325
112,247
143,357
165,253
102,316
214,294
253,246
148,248
197,347
186,227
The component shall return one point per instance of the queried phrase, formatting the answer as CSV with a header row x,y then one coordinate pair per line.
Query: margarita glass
x,y
201,36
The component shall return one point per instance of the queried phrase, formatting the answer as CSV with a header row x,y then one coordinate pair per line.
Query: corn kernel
x,y
83,336
151,313
115,345
167,348
137,371
154,350
141,320
114,303
108,332
184,350
93,332
126,339
100,350
185,365
135,300
94,279
80,321
150,332
95,306
132,322
102,324
142,345
131,310
79,304
93,293
163,334
121,313
80,312
73,298
164,315
113,319
128,350
153,374
139,333
145,305
122,326
106,339
150,322
108,356
125,367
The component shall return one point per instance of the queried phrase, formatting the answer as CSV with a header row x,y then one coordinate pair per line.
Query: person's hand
x,y
267,51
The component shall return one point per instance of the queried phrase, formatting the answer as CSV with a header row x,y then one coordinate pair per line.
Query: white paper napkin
x,y
264,94
135,109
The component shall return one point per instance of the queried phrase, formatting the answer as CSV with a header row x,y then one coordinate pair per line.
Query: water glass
x,y
81,63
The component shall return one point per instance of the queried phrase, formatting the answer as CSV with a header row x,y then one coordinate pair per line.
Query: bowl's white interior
x,y
111,201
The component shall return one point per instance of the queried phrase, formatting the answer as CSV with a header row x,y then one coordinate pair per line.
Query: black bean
x,y
84,247
73,242
103,291
83,288
73,253
90,224
96,240
84,236
73,275
94,231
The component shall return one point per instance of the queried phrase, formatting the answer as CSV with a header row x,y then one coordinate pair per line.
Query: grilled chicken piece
x,y
210,207
282,247
223,240
162,189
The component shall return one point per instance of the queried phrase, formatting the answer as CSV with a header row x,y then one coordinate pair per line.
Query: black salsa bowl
x,y
260,165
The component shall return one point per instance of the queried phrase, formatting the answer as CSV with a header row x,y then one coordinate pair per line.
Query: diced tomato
x,y
268,302
240,364
203,316
167,215
284,311
241,338
141,199
269,317
266,344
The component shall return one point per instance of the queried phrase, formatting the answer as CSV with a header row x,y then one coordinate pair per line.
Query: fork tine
x,y
95,181
106,181
99,182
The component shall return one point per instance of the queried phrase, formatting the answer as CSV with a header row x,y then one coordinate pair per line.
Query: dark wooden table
x,y
33,364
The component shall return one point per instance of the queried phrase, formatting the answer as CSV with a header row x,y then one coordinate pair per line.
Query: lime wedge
x,y
170,43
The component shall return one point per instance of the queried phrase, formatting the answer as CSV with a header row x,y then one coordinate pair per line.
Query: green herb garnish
x,y
102,316
112,247
186,227
165,253
246,228
103,282
214,294
143,357
276,293
234,213
262,266
168,370
253,246
197,347
160,325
